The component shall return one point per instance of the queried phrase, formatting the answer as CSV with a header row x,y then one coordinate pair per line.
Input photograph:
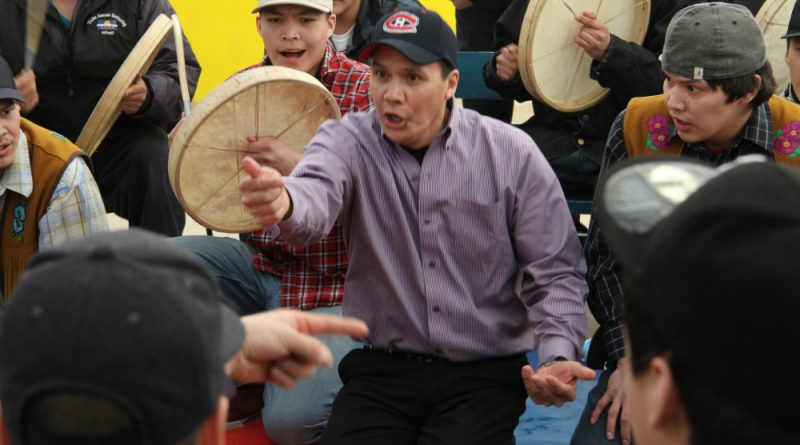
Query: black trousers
x,y
392,399
130,168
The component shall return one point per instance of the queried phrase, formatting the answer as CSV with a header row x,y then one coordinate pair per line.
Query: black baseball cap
x,y
793,30
713,254
127,316
8,87
420,34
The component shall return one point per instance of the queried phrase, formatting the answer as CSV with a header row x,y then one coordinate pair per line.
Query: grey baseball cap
x,y
713,41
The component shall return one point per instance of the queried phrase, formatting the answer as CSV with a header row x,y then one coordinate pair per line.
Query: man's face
x,y
410,99
793,61
701,113
9,132
295,36
342,7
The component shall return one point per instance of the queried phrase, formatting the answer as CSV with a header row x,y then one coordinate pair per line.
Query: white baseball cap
x,y
320,5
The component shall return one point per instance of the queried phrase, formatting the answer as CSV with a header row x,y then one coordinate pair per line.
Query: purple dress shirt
x,y
471,254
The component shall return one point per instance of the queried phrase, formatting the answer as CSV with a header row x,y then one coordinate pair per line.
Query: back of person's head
x,y
117,338
722,44
711,290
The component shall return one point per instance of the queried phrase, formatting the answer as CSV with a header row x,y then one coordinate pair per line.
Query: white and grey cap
x,y
320,5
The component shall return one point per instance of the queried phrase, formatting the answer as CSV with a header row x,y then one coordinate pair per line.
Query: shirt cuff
x,y
556,347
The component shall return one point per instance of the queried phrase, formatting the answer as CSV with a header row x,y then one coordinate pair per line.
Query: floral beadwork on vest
x,y
20,215
660,131
787,139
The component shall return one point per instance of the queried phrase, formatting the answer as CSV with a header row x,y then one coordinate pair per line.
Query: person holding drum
x,y
717,104
355,20
573,141
47,192
443,213
266,273
83,44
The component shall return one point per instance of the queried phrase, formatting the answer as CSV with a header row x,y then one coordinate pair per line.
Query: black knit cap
x,y
421,35
713,254
126,316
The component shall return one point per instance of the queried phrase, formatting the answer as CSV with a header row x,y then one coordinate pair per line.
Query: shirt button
x,y
427,220
581,142
436,309
431,264
584,117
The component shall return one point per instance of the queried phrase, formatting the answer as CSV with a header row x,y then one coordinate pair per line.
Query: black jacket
x,y
368,15
629,70
74,66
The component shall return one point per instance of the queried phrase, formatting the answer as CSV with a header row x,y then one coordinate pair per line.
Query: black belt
x,y
408,356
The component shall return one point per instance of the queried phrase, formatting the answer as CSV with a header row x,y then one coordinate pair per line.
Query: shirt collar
x,y
18,176
758,128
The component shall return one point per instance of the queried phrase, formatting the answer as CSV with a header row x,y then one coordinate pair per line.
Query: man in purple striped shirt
x,y
462,254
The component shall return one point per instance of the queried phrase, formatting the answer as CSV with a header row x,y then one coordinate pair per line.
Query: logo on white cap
x,y
401,23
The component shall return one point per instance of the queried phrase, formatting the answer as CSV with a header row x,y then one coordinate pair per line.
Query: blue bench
x,y
471,86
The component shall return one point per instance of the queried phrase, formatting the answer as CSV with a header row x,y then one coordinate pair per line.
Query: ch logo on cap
x,y
401,23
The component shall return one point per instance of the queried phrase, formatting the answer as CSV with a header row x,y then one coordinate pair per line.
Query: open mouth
x,y
292,53
393,120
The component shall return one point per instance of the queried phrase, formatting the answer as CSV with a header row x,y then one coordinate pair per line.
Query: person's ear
x,y
452,83
664,409
213,430
752,94
331,24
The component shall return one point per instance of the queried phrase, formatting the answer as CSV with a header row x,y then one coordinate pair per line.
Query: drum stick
x,y
37,9
176,29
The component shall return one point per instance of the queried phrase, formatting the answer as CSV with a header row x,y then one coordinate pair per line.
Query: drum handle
x,y
176,29
36,12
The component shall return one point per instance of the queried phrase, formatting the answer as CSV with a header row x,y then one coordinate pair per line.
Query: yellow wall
x,y
224,38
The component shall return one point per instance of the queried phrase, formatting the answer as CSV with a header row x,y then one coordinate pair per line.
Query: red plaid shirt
x,y
313,276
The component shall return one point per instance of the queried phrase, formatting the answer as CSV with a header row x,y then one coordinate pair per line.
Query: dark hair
x,y
81,417
738,87
445,68
644,340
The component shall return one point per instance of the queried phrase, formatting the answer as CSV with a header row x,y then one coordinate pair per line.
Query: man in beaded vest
x,y
47,192
717,105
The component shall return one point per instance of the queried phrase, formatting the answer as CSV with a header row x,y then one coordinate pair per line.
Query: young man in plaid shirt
x,y
262,273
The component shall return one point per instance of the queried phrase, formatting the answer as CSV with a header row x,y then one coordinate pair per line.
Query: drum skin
x,y
554,69
206,153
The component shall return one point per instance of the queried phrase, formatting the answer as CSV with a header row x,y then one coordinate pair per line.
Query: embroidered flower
x,y
660,132
19,218
787,139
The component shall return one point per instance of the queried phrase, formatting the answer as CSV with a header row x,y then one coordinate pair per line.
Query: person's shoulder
x,y
504,135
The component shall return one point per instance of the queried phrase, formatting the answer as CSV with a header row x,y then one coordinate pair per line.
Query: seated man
x,y
718,104
47,192
266,273
120,338
462,257
710,281
573,142
83,45
355,20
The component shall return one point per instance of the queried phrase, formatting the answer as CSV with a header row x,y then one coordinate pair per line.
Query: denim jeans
x,y
299,415
576,172
588,434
